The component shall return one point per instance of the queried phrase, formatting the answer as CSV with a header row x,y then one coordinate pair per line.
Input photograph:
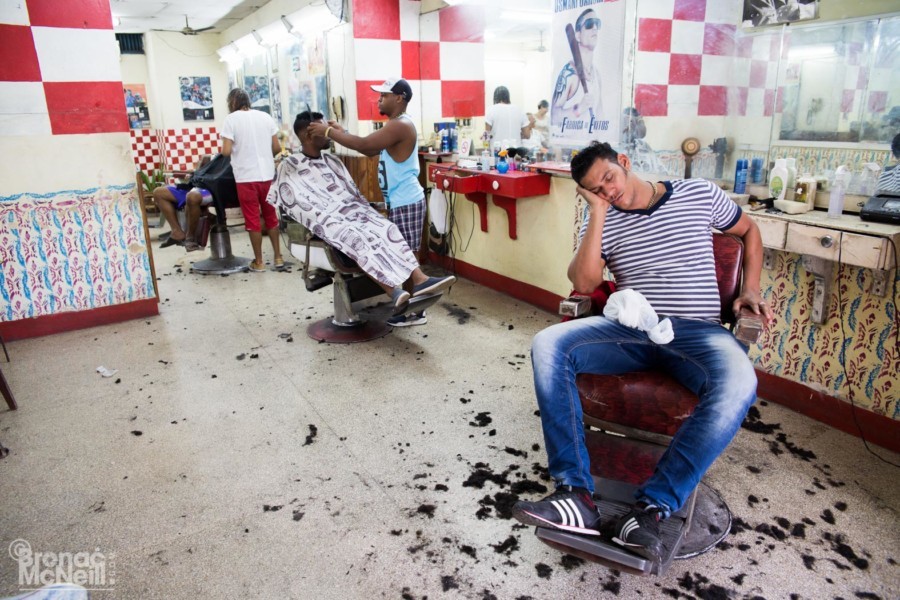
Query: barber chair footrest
x,y
317,280
682,538
384,311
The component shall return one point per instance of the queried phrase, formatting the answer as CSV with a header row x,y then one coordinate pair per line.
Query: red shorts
x,y
252,196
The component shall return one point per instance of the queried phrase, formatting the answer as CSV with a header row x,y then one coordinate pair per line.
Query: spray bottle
x,y
836,200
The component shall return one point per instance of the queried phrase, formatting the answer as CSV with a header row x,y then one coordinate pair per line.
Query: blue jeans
x,y
705,357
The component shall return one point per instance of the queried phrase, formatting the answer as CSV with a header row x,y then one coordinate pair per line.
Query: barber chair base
x,y
682,537
330,332
221,261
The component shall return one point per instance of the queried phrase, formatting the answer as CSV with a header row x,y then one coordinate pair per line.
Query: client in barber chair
x,y
172,198
656,239
315,189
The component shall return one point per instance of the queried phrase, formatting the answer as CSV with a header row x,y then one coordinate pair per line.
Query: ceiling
x,y
139,16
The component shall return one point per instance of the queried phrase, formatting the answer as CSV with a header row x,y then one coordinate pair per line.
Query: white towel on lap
x,y
631,309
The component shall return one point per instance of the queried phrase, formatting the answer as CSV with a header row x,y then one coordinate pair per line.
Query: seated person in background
x,y
889,181
315,189
170,198
656,239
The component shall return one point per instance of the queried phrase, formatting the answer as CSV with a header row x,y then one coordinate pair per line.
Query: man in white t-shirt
x,y
505,121
249,138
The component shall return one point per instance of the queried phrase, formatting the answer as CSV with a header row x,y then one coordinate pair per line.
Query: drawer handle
x,y
827,241
446,183
495,185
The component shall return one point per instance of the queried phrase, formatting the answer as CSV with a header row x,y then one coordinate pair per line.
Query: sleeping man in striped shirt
x,y
655,238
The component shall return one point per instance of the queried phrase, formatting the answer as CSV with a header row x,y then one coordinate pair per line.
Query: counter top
x,y
845,222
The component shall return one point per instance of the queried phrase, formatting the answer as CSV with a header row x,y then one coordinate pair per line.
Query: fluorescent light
x,y
312,20
524,16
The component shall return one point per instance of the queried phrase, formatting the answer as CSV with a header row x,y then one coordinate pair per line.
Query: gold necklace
x,y
655,197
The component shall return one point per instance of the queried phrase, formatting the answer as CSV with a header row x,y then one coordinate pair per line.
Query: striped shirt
x,y
666,253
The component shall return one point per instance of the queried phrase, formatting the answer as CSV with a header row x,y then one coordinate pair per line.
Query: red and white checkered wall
x,y
172,149
60,69
441,55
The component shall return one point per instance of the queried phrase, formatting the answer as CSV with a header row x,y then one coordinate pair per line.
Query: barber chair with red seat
x,y
360,312
629,421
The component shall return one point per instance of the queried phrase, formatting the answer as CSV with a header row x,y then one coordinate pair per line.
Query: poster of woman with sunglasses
x,y
586,102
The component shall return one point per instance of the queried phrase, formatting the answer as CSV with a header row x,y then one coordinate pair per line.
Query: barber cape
x,y
320,194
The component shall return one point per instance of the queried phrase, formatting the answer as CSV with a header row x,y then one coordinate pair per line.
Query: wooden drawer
x,y
773,232
851,248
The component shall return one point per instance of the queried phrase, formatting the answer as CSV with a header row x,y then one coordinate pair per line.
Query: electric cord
x,y
843,357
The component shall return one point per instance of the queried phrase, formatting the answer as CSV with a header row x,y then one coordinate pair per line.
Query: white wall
x,y
172,55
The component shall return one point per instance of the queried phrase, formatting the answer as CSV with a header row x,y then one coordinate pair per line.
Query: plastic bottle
x,y
445,140
791,164
486,160
836,201
756,170
740,176
806,190
778,179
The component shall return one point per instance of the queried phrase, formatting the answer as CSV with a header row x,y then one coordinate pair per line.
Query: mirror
x,y
841,82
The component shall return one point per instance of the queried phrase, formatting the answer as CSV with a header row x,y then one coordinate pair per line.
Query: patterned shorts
x,y
409,220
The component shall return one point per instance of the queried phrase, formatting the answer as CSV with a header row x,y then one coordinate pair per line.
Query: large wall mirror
x,y
841,82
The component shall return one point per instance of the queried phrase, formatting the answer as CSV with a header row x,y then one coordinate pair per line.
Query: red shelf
x,y
505,188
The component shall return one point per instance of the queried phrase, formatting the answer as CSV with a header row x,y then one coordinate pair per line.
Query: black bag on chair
x,y
217,177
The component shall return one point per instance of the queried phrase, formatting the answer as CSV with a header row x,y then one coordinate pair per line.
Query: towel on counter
x,y
631,309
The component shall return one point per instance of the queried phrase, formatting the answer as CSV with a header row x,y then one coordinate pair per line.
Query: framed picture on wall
x,y
136,105
258,88
196,98
758,13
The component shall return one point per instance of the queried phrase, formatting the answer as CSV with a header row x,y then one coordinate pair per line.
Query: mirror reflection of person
x,y
634,130
505,121
539,124
889,181
570,98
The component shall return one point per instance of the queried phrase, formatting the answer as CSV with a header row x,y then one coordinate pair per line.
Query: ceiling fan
x,y
188,30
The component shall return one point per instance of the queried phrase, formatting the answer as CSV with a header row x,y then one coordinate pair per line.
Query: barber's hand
x,y
317,129
596,202
753,300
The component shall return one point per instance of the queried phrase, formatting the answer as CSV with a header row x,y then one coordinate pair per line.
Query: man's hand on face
x,y
596,202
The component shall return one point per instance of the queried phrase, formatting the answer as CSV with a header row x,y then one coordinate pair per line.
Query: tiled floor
x,y
233,457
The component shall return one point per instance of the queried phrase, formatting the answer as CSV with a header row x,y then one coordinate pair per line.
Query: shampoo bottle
x,y
778,179
791,164
836,200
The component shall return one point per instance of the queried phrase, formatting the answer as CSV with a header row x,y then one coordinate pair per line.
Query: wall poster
x,y
586,102
196,99
136,105
258,88
758,13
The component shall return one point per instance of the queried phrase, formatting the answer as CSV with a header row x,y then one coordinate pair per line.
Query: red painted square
x,y
651,100
409,60
713,101
847,100
684,69
690,10
769,102
376,19
745,47
654,35
74,14
367,101
862,79
86,107
420,60
462,99
462,23
718,39
877,101
20,62
758,71
740,97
